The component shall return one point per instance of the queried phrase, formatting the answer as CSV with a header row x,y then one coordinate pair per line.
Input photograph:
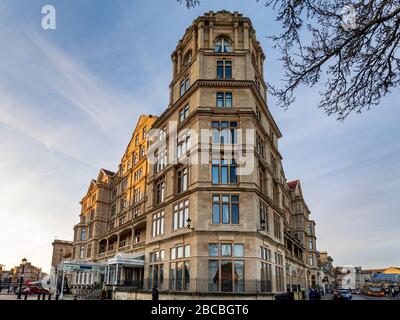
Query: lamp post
x,y
189,223
22,277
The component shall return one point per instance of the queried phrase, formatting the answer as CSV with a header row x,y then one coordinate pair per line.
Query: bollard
x,y
38,296
49,296
44,296
26,296
56,296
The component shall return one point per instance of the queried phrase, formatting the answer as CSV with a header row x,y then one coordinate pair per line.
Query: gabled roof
x,y
293,184
142,118
108,172
91,184
104,175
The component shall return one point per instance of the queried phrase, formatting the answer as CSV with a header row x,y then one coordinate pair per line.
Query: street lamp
x,y
189,223
22,277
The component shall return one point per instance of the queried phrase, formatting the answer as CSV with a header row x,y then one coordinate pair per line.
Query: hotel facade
x,y
200,205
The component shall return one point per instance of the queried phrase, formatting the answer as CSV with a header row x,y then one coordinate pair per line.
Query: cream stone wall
x,y
251,111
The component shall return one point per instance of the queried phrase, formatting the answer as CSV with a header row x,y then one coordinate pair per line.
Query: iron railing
x,y
202,286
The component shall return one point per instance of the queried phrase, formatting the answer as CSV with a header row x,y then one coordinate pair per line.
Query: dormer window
x,y
222,45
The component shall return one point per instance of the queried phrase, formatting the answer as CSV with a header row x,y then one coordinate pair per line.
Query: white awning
x,y
127,259
80,266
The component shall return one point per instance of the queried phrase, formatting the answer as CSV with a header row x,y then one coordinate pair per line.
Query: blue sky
x,y
70,98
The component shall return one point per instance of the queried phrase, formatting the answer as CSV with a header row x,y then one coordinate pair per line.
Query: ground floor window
x,y
156,276
279,276
179,278
226,275
266,277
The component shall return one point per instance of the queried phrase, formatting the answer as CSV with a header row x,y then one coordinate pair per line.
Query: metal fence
x,y
198,286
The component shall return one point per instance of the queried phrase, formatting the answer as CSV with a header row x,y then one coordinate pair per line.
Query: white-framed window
x,y
224,99
225,209
183,143
224,132
134,158
157,256
180,252
158,224
222,45
224,69
161,160
160,191
182,179
83,234
81,252
162,133
144,133
141,151
180,214
137,195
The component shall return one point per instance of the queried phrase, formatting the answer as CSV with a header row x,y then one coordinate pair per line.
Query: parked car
x,y
16,289
35,290
345,294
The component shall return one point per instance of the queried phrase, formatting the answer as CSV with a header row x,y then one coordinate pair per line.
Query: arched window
x,y
222,45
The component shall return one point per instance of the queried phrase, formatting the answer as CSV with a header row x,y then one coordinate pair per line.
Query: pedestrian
x,y
103,293
311,294
336,295
154,294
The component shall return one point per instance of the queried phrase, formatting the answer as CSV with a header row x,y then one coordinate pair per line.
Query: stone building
x,y
327,271
348,277
113,219
211,213
31,273
62,251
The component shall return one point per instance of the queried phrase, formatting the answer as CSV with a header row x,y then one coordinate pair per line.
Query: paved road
x,y
359,297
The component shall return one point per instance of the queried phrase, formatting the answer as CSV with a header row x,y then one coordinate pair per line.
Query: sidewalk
x,y
13,296
327,296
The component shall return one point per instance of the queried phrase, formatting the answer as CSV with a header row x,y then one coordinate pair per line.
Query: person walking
x,y
154,293
311,294
103,293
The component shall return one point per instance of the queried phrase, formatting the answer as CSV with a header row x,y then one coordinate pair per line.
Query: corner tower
x,y
212,229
